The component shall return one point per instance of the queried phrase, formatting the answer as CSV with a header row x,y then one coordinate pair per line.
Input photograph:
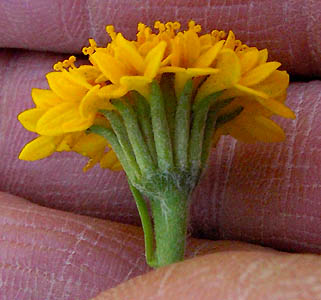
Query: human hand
x,y
266,194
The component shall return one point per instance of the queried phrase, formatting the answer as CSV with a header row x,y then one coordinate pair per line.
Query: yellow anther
x,y
237,43
91,49
194,27
66,63
222,34
72,60
141,27
218,35
176,25
191,24
58,66
110,29
160,26
241,48
92,43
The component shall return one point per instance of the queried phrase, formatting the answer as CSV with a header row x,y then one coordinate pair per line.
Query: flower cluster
x,y
215,62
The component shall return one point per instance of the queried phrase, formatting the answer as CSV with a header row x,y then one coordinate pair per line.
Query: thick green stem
x,y
170,215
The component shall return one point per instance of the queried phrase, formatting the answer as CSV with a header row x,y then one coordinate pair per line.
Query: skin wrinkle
x,y
92,16
277,270
129,250
87,279
72,234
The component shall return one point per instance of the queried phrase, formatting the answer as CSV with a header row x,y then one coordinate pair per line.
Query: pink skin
x,y
265,194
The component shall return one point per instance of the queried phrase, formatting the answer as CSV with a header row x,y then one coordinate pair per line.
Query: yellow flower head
x,y
215,62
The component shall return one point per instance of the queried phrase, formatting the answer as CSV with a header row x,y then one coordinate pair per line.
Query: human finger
x,y
50,254
232,271
290,34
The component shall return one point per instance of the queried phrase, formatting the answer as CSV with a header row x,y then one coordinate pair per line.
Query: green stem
x,y
182,127
208,134
200,110
170,101
121,133
170,215
136,138
145,122
110,136
146,224
160,129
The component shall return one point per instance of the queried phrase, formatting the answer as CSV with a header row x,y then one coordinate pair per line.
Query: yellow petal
x,y
68,141
77,78
64,88
195,72
51,122
112,91
182,77
88,105
78,124
41,147
265,130
30,117
112,68
274,85
205,40
90,73
90,145
177,51
170,69
44,98
207,58
144,48
259,73
250,91
137,83
180,81
228,75
248,59
263,56
117,166
192,47
101,78
230,41
271,104
129,53
240,133
110,161
153,60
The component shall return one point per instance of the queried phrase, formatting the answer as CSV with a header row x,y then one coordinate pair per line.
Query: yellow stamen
x,y
110,29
